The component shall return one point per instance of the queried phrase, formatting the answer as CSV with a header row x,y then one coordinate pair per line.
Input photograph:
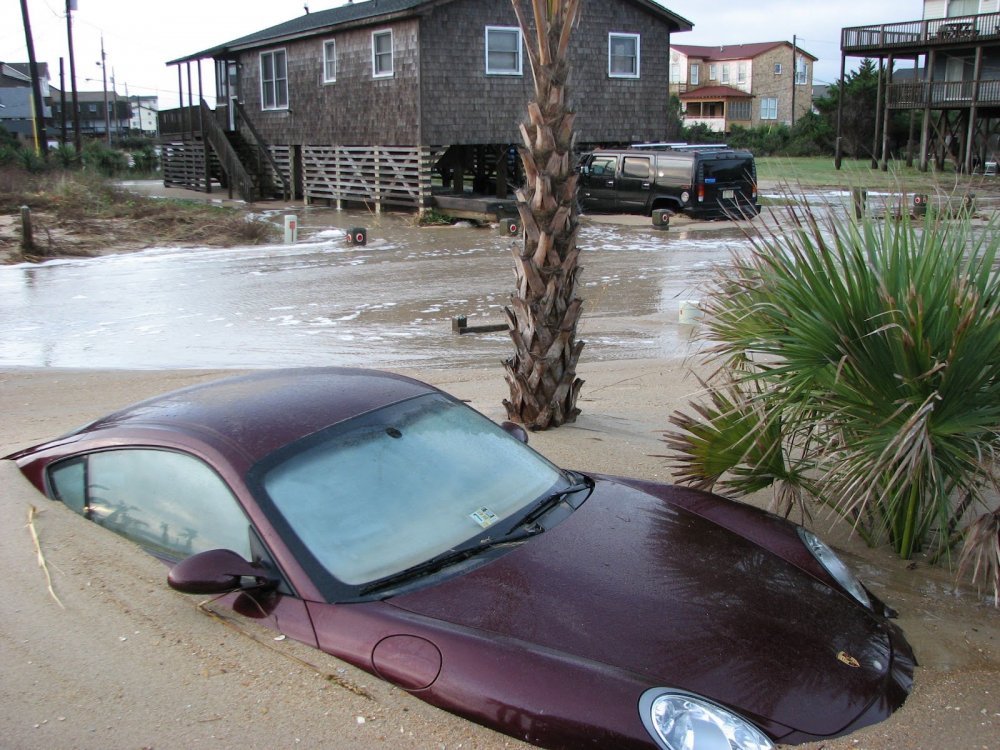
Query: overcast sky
x,y
139,37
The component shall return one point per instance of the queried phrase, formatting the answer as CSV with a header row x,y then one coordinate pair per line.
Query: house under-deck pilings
x,y
391,102
956,86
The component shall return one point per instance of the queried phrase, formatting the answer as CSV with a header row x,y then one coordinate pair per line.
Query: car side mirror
x,y
215,571
516,430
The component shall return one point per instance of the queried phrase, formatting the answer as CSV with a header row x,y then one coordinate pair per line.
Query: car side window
x,y
602,166
636,167
170,503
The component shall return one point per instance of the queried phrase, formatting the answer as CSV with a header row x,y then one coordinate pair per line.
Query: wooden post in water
x,y
27,239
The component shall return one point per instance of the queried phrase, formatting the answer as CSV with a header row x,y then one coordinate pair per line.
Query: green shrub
x,y
104,160
860,364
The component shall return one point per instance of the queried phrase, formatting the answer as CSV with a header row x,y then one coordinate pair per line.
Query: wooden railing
x,y
228,158
262,152
180,121
944,94
929,32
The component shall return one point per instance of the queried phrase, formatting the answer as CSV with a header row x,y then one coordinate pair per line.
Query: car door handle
x,y
610,183
645,186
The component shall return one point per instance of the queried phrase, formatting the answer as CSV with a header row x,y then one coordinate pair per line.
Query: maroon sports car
x,y
383,521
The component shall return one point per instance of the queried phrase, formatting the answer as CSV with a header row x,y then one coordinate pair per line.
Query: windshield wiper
x,y
427,567
525,527
547,503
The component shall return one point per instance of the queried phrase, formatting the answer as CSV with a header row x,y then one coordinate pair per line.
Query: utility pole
x,y
62,102
38,104
104,85
795,73
77,136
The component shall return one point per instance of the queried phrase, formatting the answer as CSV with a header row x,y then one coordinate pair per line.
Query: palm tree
x,y
545,309
860,364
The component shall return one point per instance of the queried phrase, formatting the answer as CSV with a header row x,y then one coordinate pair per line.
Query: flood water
x,y
321,302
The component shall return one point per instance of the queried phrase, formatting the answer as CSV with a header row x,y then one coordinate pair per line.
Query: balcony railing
x,y
944,94
714,124
929,32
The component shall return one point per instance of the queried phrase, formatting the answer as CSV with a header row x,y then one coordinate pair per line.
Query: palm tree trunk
x,y
545,309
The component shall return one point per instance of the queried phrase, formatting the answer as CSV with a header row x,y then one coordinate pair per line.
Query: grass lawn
x,y
820,171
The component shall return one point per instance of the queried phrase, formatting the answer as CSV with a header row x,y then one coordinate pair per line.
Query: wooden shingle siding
x,y
460,104
354,109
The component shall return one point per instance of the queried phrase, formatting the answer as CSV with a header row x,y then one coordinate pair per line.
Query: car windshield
x,y
378,494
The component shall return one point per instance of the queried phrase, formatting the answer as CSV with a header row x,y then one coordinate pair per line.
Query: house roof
x,y
733,51
715,92
365,12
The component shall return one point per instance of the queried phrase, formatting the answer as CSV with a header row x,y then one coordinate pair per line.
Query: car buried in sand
x,y
387,523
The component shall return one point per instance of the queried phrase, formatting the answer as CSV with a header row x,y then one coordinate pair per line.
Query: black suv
x,y
703,182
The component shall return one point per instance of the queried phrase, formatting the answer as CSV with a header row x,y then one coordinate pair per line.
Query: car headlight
x,y
834,566
683,721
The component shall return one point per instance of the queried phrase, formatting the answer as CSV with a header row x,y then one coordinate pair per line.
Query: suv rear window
x,y
727,170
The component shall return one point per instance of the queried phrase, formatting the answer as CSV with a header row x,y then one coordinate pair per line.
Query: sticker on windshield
x,y
484,517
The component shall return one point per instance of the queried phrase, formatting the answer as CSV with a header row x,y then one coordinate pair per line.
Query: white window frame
x,y
272,82
741,72
675,73
376,73
801,71
713,72
517,70
769,108
725,72
330,61
695,74
778,69
612,36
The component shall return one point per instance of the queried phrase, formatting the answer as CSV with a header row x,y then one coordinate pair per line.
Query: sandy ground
x,y
121,661
124,662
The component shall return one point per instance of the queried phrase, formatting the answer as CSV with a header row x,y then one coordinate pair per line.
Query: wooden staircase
x,y
246,166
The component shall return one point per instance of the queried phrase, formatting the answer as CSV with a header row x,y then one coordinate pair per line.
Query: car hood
x,y
637,583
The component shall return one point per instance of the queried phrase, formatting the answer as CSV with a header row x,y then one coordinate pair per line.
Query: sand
x,y
121,661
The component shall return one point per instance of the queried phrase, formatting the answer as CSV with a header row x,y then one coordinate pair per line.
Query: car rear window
x,y
727,170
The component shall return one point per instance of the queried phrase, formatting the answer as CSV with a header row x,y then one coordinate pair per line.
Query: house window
x,y
713,72
769,108
382,53
739,109
801,71
742,73
329,61
273,80
623,55
503,51
695,74
777,69
675,73
725,73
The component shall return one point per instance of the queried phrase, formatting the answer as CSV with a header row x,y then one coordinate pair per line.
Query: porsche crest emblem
x,y
845,658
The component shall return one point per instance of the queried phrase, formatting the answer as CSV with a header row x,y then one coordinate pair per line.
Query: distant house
x,y
741,84
368,100
91,109
949,71
144,114
16,106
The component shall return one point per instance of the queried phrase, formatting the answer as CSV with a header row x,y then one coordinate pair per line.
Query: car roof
x,y
263,411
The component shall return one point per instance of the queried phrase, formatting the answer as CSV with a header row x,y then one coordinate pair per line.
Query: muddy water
x,y
321,301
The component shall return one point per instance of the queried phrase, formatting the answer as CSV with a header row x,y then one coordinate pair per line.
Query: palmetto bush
x,y
859,364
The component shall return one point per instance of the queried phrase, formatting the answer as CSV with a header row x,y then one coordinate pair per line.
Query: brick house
x,y
368,100
741,84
